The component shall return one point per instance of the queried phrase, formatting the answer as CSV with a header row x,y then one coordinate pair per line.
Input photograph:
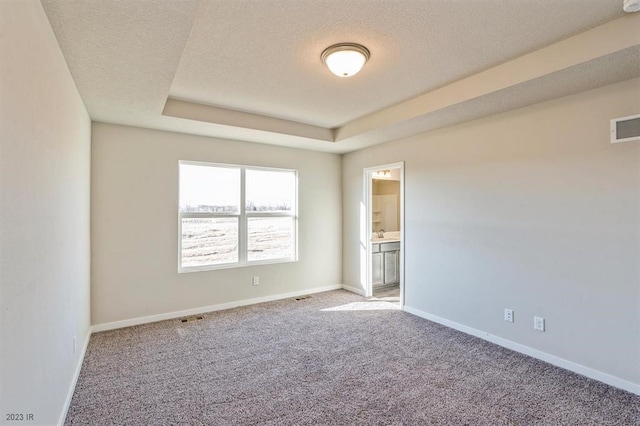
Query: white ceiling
x,y
251,69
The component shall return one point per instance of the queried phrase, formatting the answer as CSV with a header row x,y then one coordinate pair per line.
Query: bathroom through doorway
x,y
384,200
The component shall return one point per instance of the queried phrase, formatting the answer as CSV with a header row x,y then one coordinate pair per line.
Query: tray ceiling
x,y
251,70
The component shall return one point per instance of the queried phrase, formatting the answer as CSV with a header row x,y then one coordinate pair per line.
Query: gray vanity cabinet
x,y
385,263
391,275
377,263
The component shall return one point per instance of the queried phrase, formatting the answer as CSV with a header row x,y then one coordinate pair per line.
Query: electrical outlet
x,y
75,344
508,315
538,323
255,281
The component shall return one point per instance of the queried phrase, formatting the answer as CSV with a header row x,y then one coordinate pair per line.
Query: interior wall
x,y
135,224
532,210
44,219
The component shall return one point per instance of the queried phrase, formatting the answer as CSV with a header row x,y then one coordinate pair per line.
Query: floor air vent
x,y
306,296
190,319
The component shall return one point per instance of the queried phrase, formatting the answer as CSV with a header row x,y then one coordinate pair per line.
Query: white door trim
x,y
368,218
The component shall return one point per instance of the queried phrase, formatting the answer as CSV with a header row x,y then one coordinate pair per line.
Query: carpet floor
x,y
334,358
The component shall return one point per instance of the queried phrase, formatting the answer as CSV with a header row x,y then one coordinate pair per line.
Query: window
x,y
236,215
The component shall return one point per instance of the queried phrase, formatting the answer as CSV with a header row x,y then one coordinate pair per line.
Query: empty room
x,y
289,212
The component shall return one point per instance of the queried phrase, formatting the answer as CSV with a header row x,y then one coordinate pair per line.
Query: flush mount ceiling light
x,y
631,6
345,59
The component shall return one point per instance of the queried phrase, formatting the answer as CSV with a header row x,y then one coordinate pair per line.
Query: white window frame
x,y
242,216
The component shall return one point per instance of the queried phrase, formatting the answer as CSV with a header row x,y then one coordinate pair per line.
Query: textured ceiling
x,y
251,70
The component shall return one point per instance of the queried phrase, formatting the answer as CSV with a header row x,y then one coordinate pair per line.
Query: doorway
x,y
384,235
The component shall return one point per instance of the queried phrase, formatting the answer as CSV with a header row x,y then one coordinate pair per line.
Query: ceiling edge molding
x,y
603,40
227,117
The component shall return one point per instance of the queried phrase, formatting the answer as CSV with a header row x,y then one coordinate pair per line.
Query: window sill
x,y
190,269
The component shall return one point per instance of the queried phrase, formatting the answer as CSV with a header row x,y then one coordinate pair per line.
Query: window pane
x,y
209,189
270,238
270,191
209,241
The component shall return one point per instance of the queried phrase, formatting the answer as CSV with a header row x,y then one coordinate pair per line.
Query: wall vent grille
x,y
625,129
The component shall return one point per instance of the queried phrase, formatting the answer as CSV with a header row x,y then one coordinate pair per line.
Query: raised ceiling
x,y
251,70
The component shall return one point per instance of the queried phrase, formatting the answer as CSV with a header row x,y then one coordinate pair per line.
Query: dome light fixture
x,y
631,6
345,59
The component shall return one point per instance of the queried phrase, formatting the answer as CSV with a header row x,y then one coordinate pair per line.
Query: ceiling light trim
x,y
349,68
631,6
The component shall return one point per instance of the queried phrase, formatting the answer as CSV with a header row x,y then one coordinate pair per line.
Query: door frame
x,y
368,228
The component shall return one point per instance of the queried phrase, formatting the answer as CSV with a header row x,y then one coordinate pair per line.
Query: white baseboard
x,y
355,290
211,308
534,353
76,374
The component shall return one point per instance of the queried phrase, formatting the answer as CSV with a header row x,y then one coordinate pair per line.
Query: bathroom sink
x,y
388,236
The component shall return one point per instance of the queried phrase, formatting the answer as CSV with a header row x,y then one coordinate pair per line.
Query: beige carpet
x,y
334,358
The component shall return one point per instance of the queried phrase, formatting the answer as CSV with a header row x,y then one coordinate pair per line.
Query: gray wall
x,y
44,218
134,224
532,210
